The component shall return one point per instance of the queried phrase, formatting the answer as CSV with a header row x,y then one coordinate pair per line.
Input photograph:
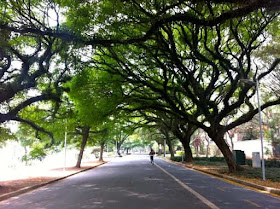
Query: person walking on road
x,y
152,153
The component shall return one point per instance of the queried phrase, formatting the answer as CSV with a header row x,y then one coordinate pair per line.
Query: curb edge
x,y
246,183
30,188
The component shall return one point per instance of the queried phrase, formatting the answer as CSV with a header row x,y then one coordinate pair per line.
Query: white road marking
x,y
203,199
255,204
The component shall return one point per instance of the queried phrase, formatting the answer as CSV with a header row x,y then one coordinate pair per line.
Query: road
x,y
133,183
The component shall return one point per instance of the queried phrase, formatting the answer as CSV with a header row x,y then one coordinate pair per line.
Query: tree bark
x,y
218,138
119,149
170,147
120,143
85,134
186,144
188,152
101,151
184,133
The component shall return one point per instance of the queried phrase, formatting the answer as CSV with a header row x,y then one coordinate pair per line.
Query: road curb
x,y
30,188
246,183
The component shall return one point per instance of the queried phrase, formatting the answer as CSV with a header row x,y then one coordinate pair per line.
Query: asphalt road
x,y
133,183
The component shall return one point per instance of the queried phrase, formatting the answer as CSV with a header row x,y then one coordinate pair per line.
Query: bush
x,y
217,159
248,162
211,159
273,163
201,158
176,158
38,152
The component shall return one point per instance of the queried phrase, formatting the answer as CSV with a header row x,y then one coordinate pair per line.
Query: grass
x,y
247,173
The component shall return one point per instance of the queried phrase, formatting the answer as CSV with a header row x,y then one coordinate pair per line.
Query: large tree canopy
x,y
118,21
180,58
32,34
195,72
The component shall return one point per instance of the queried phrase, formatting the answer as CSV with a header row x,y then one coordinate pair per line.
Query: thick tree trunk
x,y
224,148
184,133
170,147
101,151
119,149
188,152
120,143
186,144
85,134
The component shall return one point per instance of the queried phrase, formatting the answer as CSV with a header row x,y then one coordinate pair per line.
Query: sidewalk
x,y
18,182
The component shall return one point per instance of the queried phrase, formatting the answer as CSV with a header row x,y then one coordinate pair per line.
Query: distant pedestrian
x,y
152,153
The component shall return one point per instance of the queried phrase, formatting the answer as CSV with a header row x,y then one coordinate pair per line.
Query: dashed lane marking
x,y
252,203
199,196
219,188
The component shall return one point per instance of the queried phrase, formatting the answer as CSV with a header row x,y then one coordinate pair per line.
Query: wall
x,y
250,146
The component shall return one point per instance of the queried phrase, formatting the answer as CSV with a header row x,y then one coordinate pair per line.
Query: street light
x,y
260,119
65,147
164,149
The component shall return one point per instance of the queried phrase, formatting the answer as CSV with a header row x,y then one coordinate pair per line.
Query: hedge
x,y
271,163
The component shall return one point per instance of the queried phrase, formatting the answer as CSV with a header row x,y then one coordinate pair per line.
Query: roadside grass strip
x,y
203,199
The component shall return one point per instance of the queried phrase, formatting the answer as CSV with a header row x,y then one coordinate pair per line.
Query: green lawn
x,y
247,173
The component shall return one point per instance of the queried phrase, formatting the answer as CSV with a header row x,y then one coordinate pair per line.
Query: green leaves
x,y
96,95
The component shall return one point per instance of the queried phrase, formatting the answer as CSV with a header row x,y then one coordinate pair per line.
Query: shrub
x,y
248,162
201,158
211,159
217,159
176,158
273,163
38,152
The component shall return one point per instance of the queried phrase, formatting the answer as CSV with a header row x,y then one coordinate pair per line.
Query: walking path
x,y
14,182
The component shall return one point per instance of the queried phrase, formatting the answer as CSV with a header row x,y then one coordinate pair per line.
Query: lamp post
x,y
164,149
260,119
65,147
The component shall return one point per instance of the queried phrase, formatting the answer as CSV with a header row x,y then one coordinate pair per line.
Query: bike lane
x,y
220,192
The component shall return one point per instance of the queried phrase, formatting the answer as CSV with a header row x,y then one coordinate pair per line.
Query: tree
x,y
44,18
25,72
96,96
121,131
103,137
194,72
6,134
272,134
196,143
30,24
163,24
168,138
179,128
139,139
